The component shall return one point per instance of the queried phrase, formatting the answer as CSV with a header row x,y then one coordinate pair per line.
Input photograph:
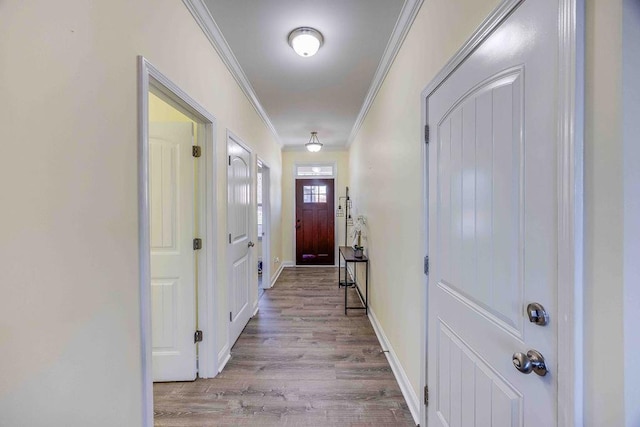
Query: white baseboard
x,y
288,264
223,357
256,307
275,278
403,381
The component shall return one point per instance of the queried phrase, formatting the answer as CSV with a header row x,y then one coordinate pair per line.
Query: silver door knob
x,y
533,361
251,244
537,314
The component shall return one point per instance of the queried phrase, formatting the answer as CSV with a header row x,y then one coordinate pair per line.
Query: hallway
x,y
299,362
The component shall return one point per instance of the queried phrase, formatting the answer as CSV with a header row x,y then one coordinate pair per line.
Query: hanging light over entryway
x,y
305,41
314,144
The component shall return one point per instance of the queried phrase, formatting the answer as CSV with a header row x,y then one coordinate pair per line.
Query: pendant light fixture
x,y
314,144
305,41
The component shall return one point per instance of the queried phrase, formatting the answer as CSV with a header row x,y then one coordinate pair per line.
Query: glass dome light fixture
x,y
305,41
314,144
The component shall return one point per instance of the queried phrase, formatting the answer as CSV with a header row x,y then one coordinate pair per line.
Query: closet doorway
x,y
263,212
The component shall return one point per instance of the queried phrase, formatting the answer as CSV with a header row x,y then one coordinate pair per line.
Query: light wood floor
x,y
299,362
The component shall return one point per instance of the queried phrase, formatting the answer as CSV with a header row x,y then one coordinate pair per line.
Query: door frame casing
x,y
333,164
266,221
570,199
253,229
149,77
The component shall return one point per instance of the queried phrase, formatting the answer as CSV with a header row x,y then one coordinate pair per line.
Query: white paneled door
x,y
493,203
172,227
239,217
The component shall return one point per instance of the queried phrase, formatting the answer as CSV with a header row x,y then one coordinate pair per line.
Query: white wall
x,y
603,291
385,169
69,307
631,155
289,160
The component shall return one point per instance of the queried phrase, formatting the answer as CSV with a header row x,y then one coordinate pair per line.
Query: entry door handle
x,y
251,244
298,225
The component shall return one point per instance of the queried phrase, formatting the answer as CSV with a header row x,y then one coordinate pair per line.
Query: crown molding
x,y
403,24
211,30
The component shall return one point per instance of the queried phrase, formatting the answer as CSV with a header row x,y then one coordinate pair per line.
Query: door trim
x,y
570,198
150,77
334,164
266,224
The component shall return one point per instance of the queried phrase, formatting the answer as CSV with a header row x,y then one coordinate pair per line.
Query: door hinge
x,y
426,134
426,396
426,265
230,316
229,238
197,244
196,151
197,337
229,160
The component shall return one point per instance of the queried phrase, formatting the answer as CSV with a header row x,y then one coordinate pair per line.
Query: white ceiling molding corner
x,y
208,25
408,13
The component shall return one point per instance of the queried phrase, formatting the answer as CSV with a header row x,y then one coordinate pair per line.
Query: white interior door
x,y
240,244
493,227
172,210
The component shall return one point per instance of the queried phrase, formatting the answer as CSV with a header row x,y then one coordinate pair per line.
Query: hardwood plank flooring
x,y
299,362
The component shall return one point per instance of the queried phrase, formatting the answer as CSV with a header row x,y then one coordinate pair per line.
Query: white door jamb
x,y
266,225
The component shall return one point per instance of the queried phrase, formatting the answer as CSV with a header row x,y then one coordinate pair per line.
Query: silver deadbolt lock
x,y
533,361
537,314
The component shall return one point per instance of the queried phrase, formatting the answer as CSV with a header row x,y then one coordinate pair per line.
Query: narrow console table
x,y
347,253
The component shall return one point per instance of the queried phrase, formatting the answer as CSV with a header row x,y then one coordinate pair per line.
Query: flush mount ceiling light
x,y
313,145
305,41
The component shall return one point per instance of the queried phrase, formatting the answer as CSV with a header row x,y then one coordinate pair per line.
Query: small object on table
x,y
358,251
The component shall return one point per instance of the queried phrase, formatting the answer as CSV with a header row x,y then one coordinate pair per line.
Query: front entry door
x,y
172,229
314,222
239,224
493,203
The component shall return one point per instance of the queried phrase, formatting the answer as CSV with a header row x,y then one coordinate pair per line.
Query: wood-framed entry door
x,y
493,228
315,225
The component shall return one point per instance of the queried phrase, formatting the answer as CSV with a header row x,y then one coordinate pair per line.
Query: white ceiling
x,y
323,93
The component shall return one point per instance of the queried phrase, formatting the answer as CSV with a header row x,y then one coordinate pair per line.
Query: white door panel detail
x,y
172,228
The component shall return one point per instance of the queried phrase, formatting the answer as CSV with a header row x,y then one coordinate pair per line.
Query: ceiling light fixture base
x,y
305,41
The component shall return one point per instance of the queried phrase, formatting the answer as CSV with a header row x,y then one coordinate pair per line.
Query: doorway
x,y
177,204
315,225
263,219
